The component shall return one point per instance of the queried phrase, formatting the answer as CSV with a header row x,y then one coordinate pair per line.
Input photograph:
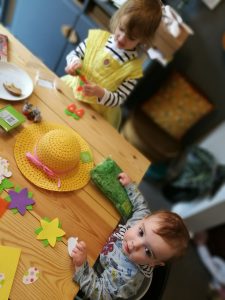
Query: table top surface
x,y
84,213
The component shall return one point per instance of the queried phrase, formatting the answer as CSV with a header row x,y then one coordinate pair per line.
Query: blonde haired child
x,y
104,68
132,251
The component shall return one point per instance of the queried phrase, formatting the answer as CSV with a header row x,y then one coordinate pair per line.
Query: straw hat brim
x,y
26,142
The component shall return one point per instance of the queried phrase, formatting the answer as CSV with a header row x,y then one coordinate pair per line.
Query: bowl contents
x,y
12,89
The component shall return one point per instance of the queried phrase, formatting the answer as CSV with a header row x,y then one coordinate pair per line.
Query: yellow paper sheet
x,y
9,258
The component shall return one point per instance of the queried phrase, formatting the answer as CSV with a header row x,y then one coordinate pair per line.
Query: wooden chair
x,y
142,132
155,290
169,120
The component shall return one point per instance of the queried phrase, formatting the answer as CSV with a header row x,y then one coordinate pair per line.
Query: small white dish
x,y
11,74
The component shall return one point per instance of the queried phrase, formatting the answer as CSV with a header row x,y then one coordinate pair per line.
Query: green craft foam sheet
x,y
105,177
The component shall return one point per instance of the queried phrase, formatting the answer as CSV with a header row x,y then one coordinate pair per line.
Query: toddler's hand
x,y
79,254
124,179
71,68
91,89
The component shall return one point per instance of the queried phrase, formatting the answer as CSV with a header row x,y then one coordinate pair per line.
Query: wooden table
x,y
84,213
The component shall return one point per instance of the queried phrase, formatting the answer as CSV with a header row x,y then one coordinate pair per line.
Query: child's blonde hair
x,y
173,231
142,19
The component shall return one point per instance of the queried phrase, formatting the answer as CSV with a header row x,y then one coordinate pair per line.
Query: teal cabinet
x,y
81,29
3,9
38,25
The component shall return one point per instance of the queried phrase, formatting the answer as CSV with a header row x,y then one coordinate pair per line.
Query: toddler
x,y
132,251
105,67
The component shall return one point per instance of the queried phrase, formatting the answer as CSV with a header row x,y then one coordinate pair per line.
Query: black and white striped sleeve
x,y
76,54
118,97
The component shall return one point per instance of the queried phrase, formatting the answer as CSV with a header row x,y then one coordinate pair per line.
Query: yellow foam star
x,y
50,231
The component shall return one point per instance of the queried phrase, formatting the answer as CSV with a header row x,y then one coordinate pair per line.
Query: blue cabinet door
x,y
3,10
37,24
82,26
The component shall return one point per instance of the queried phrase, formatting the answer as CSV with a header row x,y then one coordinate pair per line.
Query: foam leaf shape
x,y
6,184
50,231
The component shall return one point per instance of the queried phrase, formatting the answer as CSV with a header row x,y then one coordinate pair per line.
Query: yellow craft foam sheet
x,y
9,258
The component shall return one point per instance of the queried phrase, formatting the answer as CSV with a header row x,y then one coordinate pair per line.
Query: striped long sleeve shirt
x,y
118,97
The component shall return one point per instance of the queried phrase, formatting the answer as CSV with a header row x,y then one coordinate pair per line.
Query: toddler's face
x,y
143,246
121,38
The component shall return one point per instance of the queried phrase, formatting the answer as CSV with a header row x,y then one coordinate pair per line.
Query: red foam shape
x,y
79,112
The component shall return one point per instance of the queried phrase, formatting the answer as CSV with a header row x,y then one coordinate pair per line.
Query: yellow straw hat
x,y
53,157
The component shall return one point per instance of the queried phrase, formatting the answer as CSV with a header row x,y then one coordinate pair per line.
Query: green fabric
x,y
200,176
105,176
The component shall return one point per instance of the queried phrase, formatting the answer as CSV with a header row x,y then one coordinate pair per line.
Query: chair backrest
x,y
153,290
158,285
143,290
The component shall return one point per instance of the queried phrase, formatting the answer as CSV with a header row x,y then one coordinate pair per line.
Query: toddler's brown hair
x,y
142,19
173,231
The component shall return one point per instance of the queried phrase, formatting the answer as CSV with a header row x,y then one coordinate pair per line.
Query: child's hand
x,y
71,68
91,89
124,179
79,254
